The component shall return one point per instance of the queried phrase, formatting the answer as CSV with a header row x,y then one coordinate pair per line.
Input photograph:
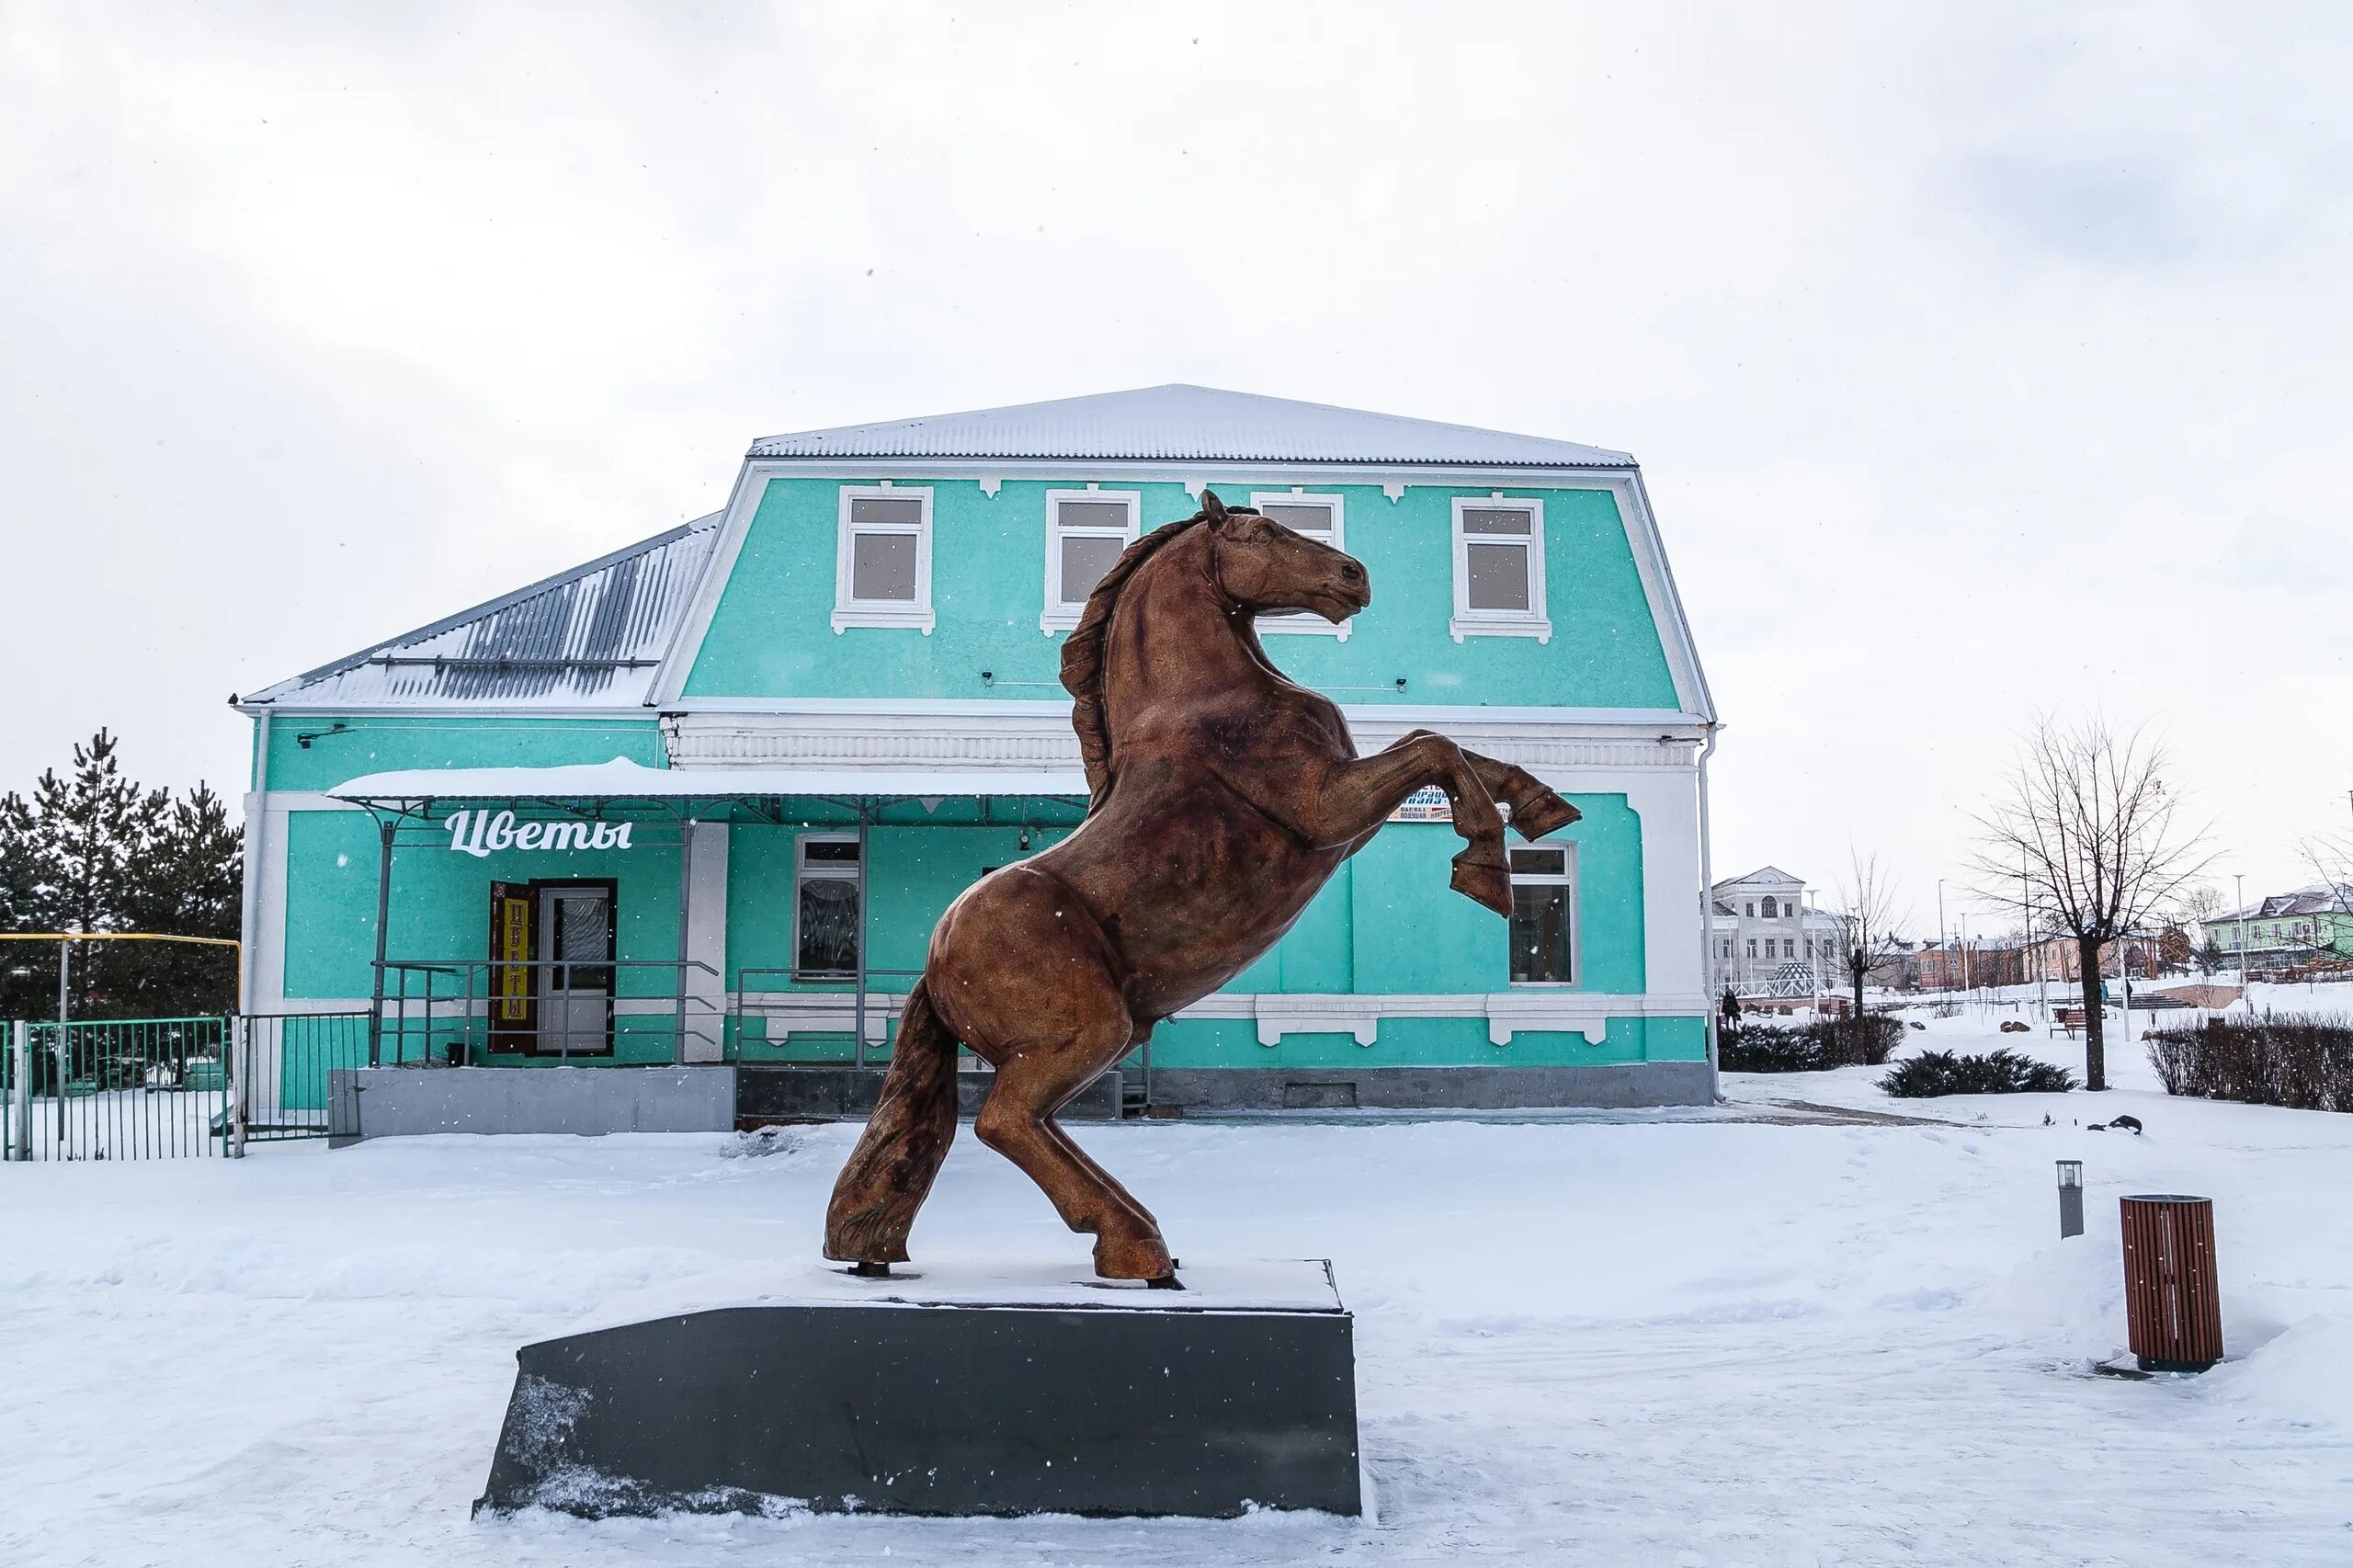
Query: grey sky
x,y
1980,362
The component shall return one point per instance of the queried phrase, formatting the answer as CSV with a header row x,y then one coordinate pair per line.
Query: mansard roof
x,y
1178,422
593,634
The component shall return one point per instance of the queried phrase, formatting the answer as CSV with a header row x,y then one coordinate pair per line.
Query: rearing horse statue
x,y
1222,796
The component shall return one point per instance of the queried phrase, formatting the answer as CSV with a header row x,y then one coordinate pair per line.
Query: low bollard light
x,y
2071,1197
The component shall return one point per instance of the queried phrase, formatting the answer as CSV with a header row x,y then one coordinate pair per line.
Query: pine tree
x,y
28,970
95,851
190,883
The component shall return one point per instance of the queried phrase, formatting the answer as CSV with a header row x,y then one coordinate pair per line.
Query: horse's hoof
x,y
1542,814
1146,1257
1486,882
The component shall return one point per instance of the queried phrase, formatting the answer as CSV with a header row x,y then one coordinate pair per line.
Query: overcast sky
x,y
1980,364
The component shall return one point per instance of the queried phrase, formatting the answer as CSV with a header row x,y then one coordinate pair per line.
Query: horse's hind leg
x,y
1032,1084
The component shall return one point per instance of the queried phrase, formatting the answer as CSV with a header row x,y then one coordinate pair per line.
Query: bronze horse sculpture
x,y
1222,797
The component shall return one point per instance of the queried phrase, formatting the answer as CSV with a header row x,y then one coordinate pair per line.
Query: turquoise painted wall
x,y
1425,1042
441,909
378,744
771,636
1403,870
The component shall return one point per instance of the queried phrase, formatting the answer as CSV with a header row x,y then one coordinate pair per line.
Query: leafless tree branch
x,y
2086,841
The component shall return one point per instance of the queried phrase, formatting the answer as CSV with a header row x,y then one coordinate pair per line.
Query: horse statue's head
x,y
1264,567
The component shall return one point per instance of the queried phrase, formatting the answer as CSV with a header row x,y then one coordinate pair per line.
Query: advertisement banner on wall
x,y
1427,804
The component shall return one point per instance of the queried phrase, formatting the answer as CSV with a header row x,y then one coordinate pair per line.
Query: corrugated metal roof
x,y
592,635
1189,422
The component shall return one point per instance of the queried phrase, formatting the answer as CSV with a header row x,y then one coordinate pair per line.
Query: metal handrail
x,y
851,980
400,999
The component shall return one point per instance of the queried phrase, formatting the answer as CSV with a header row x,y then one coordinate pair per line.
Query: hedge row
x,y
1867,1041
2303,1062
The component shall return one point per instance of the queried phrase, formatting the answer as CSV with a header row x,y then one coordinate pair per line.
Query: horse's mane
x,y
1083,654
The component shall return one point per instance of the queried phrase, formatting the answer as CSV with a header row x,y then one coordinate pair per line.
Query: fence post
x,y
242,1048
20,1105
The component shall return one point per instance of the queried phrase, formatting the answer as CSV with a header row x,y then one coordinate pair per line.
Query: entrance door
x,y
575,994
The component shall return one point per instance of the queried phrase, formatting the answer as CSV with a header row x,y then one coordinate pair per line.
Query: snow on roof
x,y
1178,421
623,779
593,634
1762,876
2318,899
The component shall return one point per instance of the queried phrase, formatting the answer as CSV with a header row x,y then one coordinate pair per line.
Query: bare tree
x,y
2332,858
2087,815
1867,918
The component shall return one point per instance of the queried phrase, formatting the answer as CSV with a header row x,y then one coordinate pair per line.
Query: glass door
x,y
575,997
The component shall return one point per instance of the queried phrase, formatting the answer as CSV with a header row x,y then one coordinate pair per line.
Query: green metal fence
x,y
119,1089
287,1060
165,1088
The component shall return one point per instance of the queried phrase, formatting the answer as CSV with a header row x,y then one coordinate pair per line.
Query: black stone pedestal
x,y
956,1392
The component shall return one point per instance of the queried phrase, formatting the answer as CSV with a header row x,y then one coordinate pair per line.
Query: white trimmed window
x,y
1499,569
883,560
1318,517
1544,916
827,924
1086,532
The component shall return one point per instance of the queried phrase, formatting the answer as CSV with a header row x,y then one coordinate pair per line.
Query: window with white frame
x,y
1086,532
1544,916
826,907
1499,569
883,561
1318,517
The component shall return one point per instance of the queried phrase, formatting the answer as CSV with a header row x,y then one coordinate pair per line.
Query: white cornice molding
x,y
1039,735
1274,1015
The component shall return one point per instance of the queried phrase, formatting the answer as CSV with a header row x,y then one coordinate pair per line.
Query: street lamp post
x,y
1944,949
2240,877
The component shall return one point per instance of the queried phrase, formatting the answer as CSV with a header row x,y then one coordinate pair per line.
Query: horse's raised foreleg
x,y
1536,808
1346,801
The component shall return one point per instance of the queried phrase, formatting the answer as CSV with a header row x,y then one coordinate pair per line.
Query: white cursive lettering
x,y
478,832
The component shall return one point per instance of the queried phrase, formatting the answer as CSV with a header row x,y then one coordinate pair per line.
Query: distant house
x,y
2286,929
1974,963
1769,941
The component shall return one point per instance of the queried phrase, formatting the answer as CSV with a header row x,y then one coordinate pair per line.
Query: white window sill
x,y
1055,621
908,618
1303,625
1533,626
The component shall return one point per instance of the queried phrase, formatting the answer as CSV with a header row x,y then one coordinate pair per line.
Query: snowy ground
x,y
1644,1341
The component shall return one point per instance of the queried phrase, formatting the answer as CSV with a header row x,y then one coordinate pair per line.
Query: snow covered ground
x,y
1643,1340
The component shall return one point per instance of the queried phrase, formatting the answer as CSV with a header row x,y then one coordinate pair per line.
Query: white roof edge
x,y
1181,421
623,779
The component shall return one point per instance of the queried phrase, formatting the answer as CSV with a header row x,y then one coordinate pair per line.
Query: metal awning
x,y
621,780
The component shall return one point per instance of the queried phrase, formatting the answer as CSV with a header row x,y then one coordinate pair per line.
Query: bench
x,y
2068,1018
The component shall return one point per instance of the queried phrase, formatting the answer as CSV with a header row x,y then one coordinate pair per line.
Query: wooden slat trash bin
x,y
2172,1300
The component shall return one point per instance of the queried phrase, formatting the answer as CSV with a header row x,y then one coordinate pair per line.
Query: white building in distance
x,y
1769,941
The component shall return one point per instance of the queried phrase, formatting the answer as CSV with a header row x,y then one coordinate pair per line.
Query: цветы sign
x,y
482,833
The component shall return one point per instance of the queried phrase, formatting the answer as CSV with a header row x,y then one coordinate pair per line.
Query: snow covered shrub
x,y
2003,1072
2282,1059
1766,1048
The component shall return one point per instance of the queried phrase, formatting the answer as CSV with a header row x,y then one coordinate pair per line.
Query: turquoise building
x,y
698,802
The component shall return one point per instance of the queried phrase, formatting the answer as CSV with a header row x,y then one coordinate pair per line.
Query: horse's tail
x,y
891,1171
